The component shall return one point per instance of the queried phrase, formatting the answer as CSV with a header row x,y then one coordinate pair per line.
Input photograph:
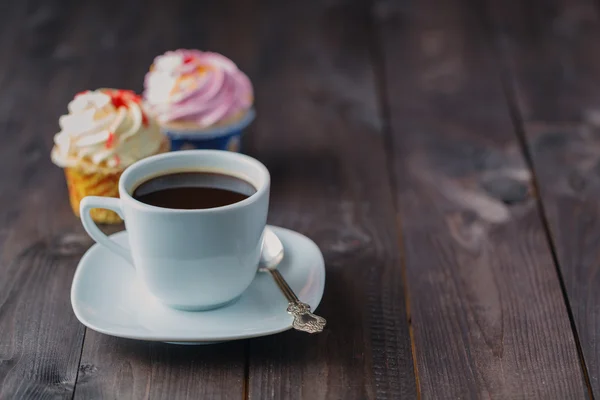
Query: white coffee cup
x,y
189,259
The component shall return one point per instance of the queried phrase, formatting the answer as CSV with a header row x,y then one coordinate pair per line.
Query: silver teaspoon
x,y
271,256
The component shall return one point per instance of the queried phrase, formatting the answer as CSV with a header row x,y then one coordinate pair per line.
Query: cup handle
x,y
109,203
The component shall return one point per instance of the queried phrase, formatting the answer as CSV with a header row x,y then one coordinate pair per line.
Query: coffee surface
x,y
193,190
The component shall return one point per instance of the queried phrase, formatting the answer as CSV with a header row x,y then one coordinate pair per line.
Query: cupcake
x,y
105,131
201,99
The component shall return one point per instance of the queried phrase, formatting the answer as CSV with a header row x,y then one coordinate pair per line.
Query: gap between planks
x,y
85,329
376,53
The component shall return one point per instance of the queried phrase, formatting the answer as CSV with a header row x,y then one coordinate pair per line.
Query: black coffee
x,y
193,190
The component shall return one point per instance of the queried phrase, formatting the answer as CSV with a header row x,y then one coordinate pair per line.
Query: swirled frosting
x,y
194,86
105,128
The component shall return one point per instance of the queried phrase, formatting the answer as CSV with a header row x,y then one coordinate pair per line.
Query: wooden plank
x,y
40,239
319,131
555,75
118,368
486,305
126,369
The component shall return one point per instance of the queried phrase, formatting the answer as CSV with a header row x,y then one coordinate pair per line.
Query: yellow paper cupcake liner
x,y
92,180
82,184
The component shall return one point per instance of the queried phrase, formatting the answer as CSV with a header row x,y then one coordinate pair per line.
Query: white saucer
x,y
108,297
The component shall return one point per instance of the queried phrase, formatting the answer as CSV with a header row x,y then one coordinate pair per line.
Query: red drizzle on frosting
x,y
111,140
121,98
118,102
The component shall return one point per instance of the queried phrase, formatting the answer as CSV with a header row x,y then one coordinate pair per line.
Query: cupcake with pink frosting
x,y
201,99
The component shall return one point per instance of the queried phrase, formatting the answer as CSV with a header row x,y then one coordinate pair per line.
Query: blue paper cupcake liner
x,y
219,138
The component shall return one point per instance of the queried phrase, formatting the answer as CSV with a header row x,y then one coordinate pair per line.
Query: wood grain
x,y
486,306
554,74
40,239
320,133
114,368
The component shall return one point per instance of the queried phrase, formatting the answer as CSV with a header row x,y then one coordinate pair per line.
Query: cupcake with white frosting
x,y
201,99
105,131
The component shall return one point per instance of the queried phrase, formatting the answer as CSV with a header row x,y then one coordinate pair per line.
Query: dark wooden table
x,y
445,156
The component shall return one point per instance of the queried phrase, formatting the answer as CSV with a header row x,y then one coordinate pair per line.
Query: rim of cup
x,y
126,188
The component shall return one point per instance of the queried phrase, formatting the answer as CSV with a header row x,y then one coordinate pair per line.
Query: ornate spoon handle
x,y
304,320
